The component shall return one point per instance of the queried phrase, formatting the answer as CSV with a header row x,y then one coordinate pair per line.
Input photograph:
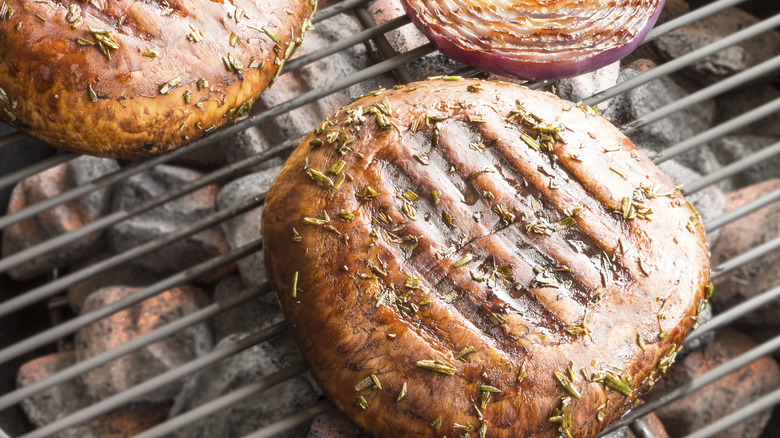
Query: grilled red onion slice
x,y
535,39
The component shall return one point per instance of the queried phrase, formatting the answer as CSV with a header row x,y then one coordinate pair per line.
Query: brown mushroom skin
x,y
584,313
46,76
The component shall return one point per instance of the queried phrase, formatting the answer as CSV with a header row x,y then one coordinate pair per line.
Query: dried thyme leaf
x,y
483,427
708,290
503,213
314,221
488,388
562,416
346,216
463,352
202,83
522,374
360,403
484,399
366,194
295,236
437,366
531,142
170,85
376,382
409,195
435,423
567,384
149,53
402,393
336,167
320,178
294,289
463,260
641,342
91,93
447,218
412,283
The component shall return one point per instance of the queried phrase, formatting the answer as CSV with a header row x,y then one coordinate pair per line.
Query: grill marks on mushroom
x,y
506,259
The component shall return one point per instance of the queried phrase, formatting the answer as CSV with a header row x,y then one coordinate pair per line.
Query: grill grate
x,y
391,63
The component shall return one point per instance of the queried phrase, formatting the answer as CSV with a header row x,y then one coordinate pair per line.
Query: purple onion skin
x,y
575,63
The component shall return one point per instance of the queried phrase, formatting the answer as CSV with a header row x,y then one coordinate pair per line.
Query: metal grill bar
x,y
346,43
223,402
292,421
745,257
728,84
690,17
736,417
741,211
718,131
31,170
683,61
124,397
68,327
733,168
118,216
52,288
11,138
733,314
185,321
699,382
338,8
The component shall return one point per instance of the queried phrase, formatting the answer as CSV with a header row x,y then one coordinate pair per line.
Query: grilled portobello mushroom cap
x,y
460,256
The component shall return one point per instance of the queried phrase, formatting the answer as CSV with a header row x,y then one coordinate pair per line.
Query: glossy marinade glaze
x,y
127,79
458,256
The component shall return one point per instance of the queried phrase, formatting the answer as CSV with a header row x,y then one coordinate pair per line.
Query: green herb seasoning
x,y
483,427
360,403
567,384
91,93
320,178
463,352
641,342
463,260
170,85
435,423
366,193
294,289
437,366
295,236
346,216
73,16
401,393
562,416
